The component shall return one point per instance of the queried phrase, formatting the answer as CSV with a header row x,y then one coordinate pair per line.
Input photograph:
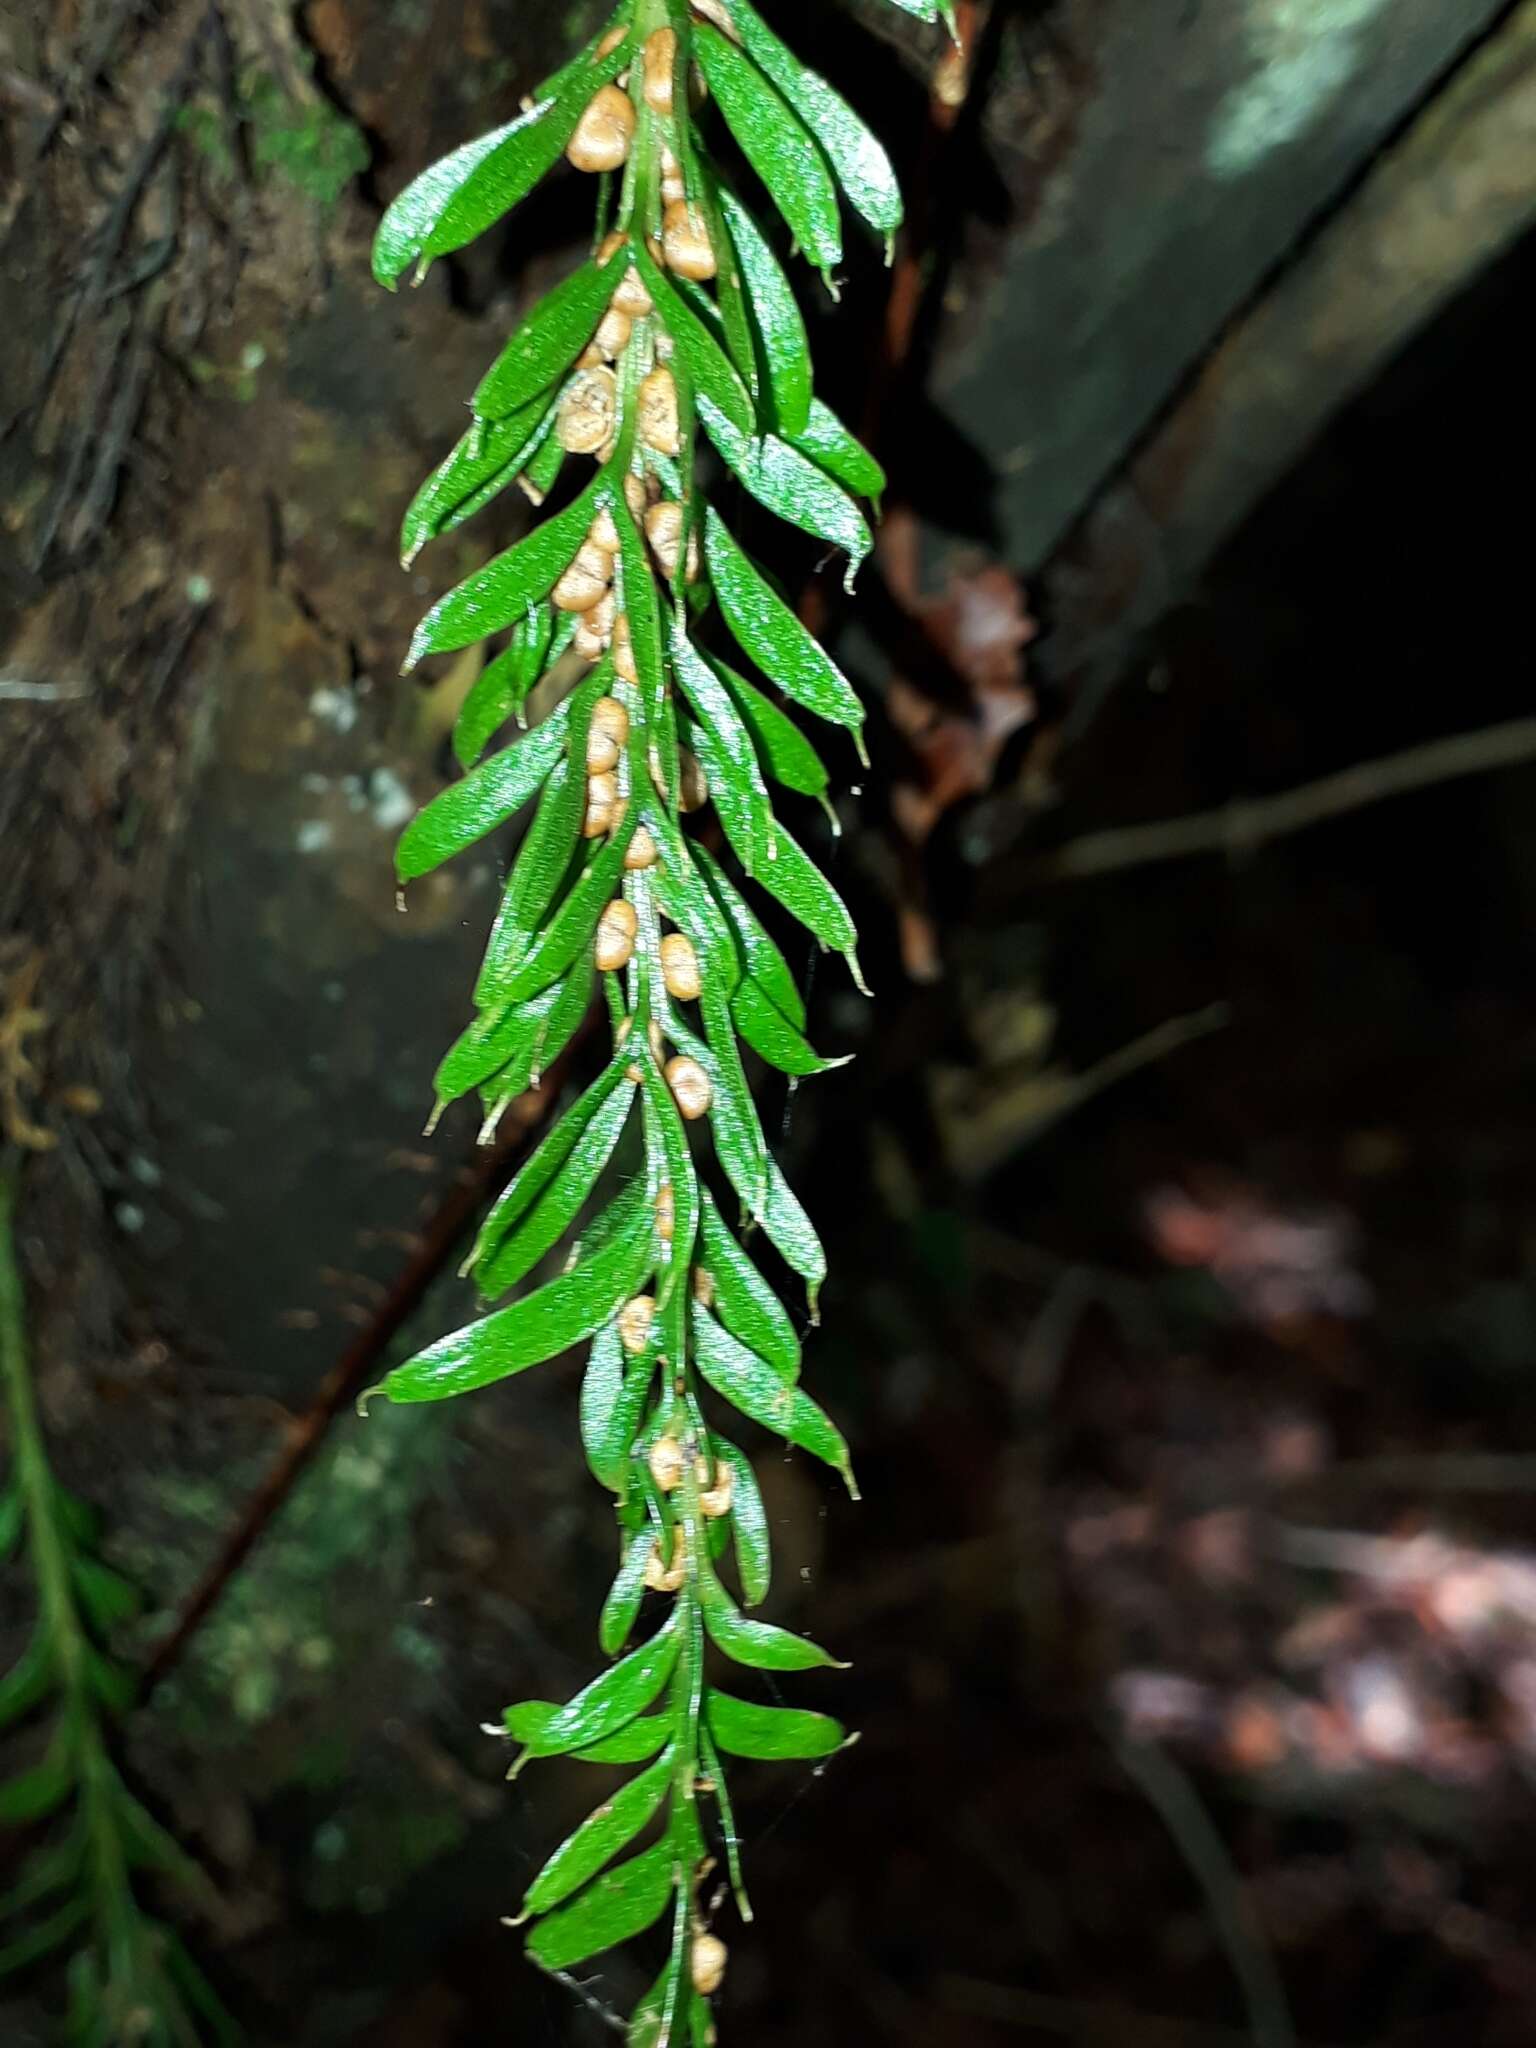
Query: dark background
x,y
1181,1217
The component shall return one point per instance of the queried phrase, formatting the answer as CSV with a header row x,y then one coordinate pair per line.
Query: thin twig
x,y
1178,1805
1240,829
352,1371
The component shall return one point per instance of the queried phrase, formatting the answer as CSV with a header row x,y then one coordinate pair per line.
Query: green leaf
x,y
543,1324
486,798
503,684
460,197
743,809
749,1521
770,1734
771,1035
792,1234
792,487
777,144
45,1937
608,1704
612,1827
765,963
46,1786
30,1679
149,1847
732,764
113,1684
744,1301
549,340
637,599
570,931
549,1158
674,1169
780,331
863,169
13,1519
503,590
517,1250
505,1033
794,878
485,460
54,1868
613,1395
543,862
758,1644
767,630
107,1597
714,1771
622,1606
831,447
734,1124
634,1744
708,368
614,1908
751,1384
785,752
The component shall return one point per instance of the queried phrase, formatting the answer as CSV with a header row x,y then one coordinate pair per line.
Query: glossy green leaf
x,y
544,861
622,1606
486,798
767,630
30,1679
503,590
614,1390
484,461
714,1771
729,755
607,1830
460,197
862,167
641,605
733,1117
609,1097
678,1173
770,1734
613,1908
794,878
780,331
771,1035
785,752
842,455
706,365
792,1234
606,1705
633,1744
555,1316
749,1523
499,1037
777,144
541,471
792,487
546,344
744,1301
570,931
758,1644
741,805
502,686
751,1384
516,1251
764,962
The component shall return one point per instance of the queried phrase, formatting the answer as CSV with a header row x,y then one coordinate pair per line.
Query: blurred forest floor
x,y
1182,1217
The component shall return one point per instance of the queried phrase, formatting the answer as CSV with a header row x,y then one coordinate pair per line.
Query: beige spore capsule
x,y
614,946
690,1086
660,426
635,1320
587,411
604,132
680,967
685,242
706,1964
668,1462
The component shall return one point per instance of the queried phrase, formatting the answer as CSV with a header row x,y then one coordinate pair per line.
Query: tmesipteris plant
x,y
131,1979
638,597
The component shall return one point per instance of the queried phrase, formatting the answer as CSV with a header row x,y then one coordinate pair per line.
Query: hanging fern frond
x,y
679,335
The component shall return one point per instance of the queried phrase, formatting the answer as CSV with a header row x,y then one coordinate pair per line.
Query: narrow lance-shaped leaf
x,y
543,348
792,487
833,448
708,369
543,1324
777,144
770,1734
486,797
603,1707
612,1827
765,963
863,169
29,1680
460,197
767,630
792,1235
751,1384
517,1253
614,1908
503,590
785,752
744,1301
484,461
794,878
758,1644
772,1037
622,1606
749,1523
780,330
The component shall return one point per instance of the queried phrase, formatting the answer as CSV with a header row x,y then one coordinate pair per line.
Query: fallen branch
x,y
1238,830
